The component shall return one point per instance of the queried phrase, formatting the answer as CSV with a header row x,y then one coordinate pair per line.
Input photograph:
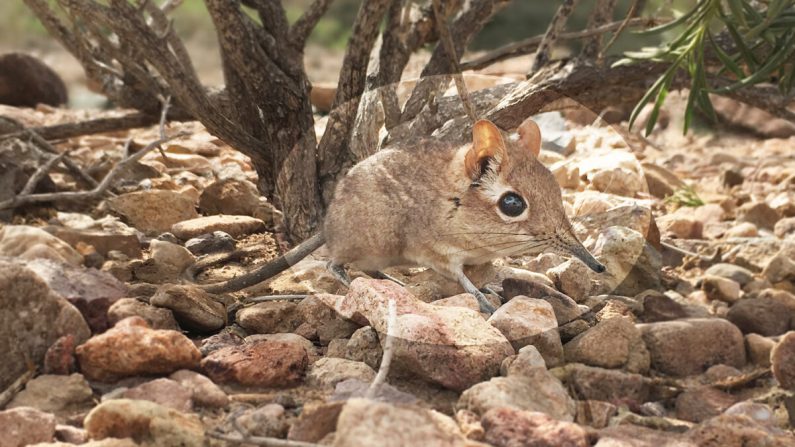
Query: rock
x,y
781,267
23,426
194,309
507,427
450,346
607,385
203,391
227,337
366,422
759,412
629,435
293,339
618,181
148,423
659,307
89,290
26,242
60,357
316,421
270,317
736,273
322,322
633,266
165,392
700,404
529,321
572,278
364,346
55,394
102,241
131,348
267,420
721,289
72,435
171,257
542,392
692,345
26,81
155,317
215,242
266,364
759,214
235,226
681,227
154,211
566,309
785,228
524,363
229,196
329,371
737,431
612,343
761,316
744,229
595,413
660,181
32,318
782,361
719,373
758,349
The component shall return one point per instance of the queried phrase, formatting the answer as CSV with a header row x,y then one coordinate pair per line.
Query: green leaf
x,y
676,22
736,7
661,94
725,59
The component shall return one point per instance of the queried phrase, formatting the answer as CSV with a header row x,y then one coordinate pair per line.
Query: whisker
x,y
499,244
492,233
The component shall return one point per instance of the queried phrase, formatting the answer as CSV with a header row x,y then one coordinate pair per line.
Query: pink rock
x,y
24,426
131,348
203,391
266,363
782,360
451,346
165,392
510,427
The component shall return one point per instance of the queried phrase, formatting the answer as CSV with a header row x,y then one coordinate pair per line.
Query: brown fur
x,y
429,205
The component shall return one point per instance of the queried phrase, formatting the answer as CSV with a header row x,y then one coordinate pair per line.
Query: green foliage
x,y
768,30
685,196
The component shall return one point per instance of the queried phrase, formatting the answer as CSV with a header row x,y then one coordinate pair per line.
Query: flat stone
x,y
102,241
270,317
131,348
154,211
700,404
690,346
148,423
761,316
266,364
194,309
542,392
203,391
155,317
165,392
508,427
736,273
607,385
235,226
329,371
55,394
27,242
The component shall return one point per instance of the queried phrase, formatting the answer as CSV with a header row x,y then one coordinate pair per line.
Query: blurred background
x,y
20,31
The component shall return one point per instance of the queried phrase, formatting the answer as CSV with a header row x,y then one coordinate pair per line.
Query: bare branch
x,y
447,41
530,44
45,146
556,26
305,24
631,14
434,75
101,188
43,170
602,13
333,154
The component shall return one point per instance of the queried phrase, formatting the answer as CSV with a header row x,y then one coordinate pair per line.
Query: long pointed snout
x,y
576,249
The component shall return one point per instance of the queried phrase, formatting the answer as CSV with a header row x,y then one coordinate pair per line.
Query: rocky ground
x,y
686,341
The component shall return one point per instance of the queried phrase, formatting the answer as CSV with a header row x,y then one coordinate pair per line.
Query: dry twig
x,y
99,190
389,351
557,25
16,386
447,41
